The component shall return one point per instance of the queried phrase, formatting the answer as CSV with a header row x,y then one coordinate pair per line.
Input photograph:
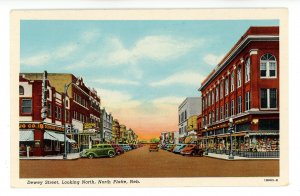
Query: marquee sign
x,y
40,126
89,125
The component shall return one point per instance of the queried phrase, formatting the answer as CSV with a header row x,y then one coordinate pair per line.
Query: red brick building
x,y
41,136
82,114
244,86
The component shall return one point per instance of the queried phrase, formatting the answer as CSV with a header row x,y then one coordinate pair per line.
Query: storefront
x,y
216,139
87,138
42,139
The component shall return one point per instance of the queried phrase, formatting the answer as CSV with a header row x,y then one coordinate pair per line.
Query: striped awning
x,y
49,135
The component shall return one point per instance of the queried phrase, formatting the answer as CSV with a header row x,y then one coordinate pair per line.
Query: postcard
x,y
149,97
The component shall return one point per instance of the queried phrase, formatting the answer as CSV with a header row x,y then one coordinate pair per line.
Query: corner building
x,y
83,107
244,86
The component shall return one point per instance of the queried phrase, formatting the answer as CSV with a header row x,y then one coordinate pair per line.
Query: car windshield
x,y
190,146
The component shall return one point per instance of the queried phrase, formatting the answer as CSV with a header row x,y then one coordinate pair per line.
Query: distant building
x,y
116,131
191,106
106,128
123,135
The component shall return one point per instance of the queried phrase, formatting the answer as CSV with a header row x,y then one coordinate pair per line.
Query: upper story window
x,y
232,108
221,113
221,89
268,98
212,97
247,101
232,82
239,109
26,106
239,76
226,110
217,93
208,99
268,66
247,70
226,86
21,90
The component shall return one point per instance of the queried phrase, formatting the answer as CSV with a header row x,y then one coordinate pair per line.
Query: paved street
x,y
142,163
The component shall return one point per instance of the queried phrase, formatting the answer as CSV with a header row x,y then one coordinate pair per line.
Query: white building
x,y
189,107
106,126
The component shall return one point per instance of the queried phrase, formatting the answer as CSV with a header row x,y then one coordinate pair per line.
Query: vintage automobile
x,y
153,148
99,150
192,149
168,146
118,149
170,149
178,148
125,147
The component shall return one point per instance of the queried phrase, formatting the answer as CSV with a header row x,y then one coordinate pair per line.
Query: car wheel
x,y
111,154
118,152
91,156
193,153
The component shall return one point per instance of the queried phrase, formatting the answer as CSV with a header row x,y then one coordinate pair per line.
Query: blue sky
x,y
142,70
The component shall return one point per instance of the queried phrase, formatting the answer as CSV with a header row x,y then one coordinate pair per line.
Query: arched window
x,y
247,70
268,66
21,90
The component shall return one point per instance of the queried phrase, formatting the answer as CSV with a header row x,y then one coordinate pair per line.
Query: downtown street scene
x,y
171,99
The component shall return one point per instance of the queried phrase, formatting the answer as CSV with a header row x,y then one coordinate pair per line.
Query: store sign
x,y
218,126
89,125
242,120
40,126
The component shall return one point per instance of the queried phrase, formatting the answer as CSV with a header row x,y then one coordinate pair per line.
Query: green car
x,y
99,150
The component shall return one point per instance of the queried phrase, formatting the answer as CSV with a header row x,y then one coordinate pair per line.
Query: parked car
x,y
178,148
172,148
192,149
163,146
153,147
125,147
169,146
118,149
133,146
99,150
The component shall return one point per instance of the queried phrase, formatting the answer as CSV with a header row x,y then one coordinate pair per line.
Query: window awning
x,y
26,135
57,136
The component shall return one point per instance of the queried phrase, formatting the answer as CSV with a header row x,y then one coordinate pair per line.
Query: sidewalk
x,y
71,156
236,158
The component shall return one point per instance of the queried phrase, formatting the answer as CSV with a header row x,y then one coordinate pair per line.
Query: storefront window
x,y
47,145
268,124
243,127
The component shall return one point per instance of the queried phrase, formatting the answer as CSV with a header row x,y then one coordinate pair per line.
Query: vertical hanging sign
x,y
44,97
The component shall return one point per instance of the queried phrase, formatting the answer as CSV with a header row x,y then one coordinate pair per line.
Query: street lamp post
x,y
231,131
65,117
206,141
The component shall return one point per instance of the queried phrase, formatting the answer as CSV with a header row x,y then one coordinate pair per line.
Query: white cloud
x,y
43,58
64,51
169,100
90,36
150,47
117,81
36,60
117,100
212,59
187,78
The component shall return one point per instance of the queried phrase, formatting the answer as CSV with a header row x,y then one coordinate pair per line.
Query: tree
x,y
154,140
